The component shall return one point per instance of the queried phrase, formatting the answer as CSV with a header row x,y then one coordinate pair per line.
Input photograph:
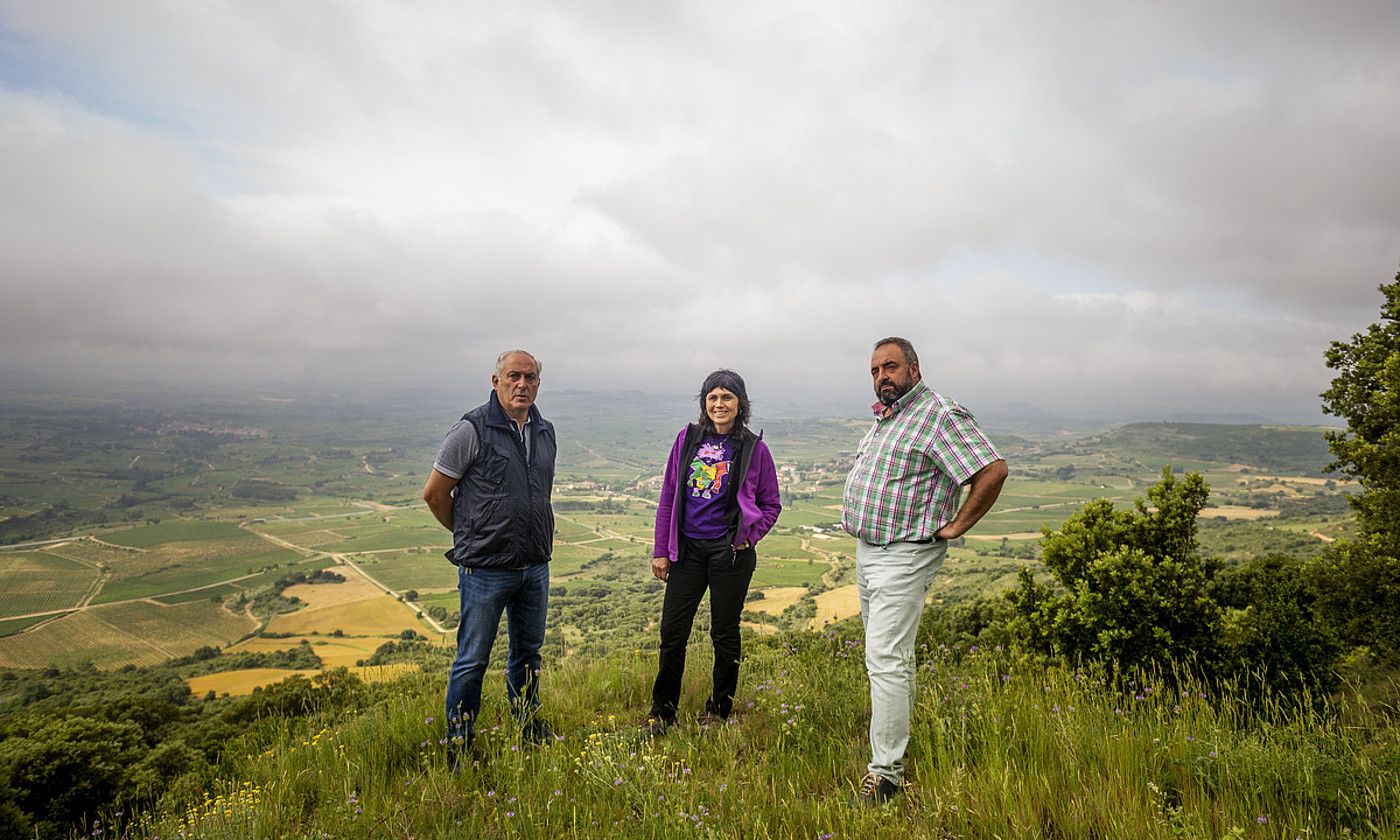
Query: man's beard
x,y
895,391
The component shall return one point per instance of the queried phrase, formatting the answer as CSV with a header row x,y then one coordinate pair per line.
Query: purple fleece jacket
x,y
759,503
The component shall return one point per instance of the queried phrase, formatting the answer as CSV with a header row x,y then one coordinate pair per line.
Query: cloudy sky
x,y
1172,207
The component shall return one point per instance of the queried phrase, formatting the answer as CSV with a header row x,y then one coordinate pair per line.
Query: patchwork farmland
x,y
217,521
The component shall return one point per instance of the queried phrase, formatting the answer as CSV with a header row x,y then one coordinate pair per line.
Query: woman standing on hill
x,y
719,497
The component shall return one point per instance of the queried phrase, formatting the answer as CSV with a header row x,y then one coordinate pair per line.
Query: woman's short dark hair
x,y
734,384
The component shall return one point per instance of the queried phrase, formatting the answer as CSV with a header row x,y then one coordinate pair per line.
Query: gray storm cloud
x,y
1082,206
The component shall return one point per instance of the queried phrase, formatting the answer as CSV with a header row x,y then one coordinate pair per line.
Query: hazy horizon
x,y
1113,211
1005,415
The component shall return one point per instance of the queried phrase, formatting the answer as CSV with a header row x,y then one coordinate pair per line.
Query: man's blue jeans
x,y
523,594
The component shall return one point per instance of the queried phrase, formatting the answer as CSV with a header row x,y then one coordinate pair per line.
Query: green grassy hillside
x,y
1001,747
1292,450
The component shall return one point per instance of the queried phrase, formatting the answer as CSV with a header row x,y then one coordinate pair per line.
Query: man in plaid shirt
x,y
901,505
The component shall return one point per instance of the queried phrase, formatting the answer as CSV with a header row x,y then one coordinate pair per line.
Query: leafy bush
x,y
1132,586
297,696
299,658
983,622
71,767
1270,626
1358,595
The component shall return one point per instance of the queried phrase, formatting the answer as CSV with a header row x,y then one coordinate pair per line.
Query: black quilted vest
x,y
501,514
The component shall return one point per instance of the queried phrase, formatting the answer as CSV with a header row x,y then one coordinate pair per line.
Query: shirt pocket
x,y
491,468
901,463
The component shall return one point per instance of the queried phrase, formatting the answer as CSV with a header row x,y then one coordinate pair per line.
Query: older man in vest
x,y
490,485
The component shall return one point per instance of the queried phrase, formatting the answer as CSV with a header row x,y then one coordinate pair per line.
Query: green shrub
x,y
1270,626
1132,586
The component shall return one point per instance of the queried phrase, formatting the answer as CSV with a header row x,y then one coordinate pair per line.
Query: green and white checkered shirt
x,y
910,468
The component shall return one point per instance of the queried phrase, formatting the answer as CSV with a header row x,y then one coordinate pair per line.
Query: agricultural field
x,y
39,582
423,571
835,604
137,633
218,592
236,683
177,568
778,573
356,607
177,532
449,600
792,547
386,529
776,599
10,626
574,559
335,651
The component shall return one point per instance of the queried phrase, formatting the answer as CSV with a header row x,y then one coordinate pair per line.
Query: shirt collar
x,y
882,413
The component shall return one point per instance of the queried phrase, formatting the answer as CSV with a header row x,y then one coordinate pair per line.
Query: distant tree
x,y
982,622
1132,585
297,696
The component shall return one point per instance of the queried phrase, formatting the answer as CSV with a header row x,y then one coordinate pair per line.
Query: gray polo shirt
x,y
459,448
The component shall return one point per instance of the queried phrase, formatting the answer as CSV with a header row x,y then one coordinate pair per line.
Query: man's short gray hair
x,y
501,361
903,344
